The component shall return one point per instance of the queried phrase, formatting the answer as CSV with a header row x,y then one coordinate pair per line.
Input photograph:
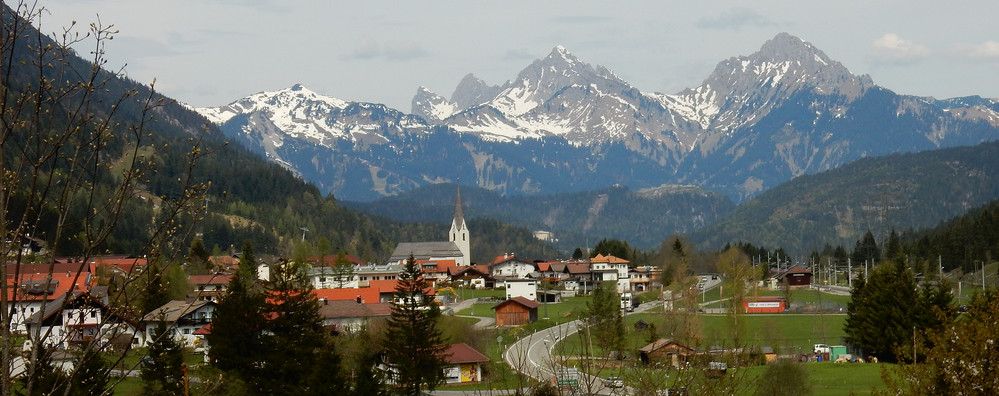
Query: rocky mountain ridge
x,y
756,121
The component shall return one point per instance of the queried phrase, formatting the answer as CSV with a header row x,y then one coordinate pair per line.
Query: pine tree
x,y
294,340
887,309
163,373
414,345
42,378
236,342
603,315
91,376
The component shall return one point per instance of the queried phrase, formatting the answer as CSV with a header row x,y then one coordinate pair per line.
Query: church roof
x,y
425,251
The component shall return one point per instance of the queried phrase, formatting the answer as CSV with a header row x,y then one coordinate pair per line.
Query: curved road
x,y
535,357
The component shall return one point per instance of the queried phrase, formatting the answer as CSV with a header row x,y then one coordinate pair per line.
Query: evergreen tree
x,y
613,247
343,270
326,377
236,341
867,250
198,257
91,375
885,311
163,373
294,338
603,315
414,346
960,358
156,293
41,377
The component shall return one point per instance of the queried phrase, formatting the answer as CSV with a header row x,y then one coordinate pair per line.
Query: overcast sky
x,y
212,52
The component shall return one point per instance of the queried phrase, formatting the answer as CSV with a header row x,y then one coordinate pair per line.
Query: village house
x,y
644,278
325,273
35,286
473,276
182,318
209,287
79,318
438,272
527,288
508,266
580,279
611,269
367,273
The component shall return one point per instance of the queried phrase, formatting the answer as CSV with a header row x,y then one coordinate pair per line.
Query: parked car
x,y
614,382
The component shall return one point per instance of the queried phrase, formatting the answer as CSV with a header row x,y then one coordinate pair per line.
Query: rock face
x,y
563,125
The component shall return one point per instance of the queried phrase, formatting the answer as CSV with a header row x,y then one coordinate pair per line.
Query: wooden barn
x,y
795,277
516,311
667,351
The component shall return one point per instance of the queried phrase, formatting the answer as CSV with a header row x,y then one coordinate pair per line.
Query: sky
x,y
213,52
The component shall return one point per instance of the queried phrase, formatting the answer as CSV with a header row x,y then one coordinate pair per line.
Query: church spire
x,y
459,213
459,231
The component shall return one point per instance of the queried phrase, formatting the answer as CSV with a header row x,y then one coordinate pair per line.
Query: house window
x,y
93,314
187,331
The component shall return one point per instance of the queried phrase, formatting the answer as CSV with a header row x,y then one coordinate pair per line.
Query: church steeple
x,y
459,231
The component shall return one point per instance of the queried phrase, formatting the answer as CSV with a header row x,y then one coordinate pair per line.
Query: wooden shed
x,y
464,364
516,311
666,350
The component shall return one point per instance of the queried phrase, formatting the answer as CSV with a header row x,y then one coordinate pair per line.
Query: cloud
x,y
519,54
736,18
988,50
403,50
891,48
366,48
581,19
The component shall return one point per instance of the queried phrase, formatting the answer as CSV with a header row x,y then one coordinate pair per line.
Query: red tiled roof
x,y
462,353
609,259
369,295
436,266
204,330
211,279
389,286
58,285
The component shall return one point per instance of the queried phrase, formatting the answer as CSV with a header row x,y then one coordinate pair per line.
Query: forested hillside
x,y
644,218
837,207
962,242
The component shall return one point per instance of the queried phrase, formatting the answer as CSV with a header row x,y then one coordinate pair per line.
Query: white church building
x,y
457,248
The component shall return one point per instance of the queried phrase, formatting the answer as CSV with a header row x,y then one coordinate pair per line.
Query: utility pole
x,y
849,273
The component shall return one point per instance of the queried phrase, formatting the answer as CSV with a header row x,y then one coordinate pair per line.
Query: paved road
x,y
536,357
